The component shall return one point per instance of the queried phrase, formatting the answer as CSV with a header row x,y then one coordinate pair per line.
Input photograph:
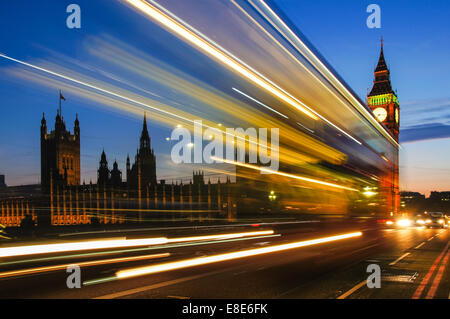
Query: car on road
x,y
436,219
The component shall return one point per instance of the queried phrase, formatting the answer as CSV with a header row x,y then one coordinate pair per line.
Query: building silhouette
x,y
106,177
142,173
2,181
60,153
198,177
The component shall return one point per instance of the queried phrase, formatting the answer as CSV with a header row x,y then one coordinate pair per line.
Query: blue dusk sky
x,y
416,46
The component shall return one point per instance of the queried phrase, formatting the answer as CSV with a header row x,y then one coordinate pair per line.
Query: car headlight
x,y
420,221
428,221
440,221
404,222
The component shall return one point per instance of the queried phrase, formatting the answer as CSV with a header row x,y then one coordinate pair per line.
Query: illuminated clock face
x,y
380,113
396,116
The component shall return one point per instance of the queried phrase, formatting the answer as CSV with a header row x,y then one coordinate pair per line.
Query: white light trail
x,y
65,77
77,246
140,271
117,243
314,60
206,47
259,102
184,30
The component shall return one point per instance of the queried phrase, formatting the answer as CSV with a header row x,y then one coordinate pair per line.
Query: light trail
x,y
117,243
77,246
271,171
206,47
260,103
123,97
37,270
319,65
140,271
296,61
184,30
219,237
133,250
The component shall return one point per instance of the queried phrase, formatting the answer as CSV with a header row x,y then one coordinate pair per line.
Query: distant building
x,y
143,172
60,153
440,196
2,181
410,196
106,177
412,202
198,178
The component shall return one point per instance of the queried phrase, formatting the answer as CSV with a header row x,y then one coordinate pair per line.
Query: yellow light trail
x,y
179,29
117,243
140,271
219,237
297,61
36,270
313,59
271,171
242,68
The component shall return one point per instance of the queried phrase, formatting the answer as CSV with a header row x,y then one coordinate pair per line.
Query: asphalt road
x,y
413,263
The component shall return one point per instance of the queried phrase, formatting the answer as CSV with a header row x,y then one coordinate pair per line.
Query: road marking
x,y
348,293
154,286
437,279
398,259
420,245
430,238
427,278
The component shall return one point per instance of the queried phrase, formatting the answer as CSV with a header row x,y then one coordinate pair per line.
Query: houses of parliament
x,y
60,160
112,200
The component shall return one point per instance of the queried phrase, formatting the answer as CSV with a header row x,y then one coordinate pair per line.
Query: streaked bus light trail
x,y
117,243
271,171
319,65
172,24
140,271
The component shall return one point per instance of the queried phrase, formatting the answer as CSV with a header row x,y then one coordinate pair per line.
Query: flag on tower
x,y
61,97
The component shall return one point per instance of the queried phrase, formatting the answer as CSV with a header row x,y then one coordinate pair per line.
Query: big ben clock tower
x,y
382,100
384,104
